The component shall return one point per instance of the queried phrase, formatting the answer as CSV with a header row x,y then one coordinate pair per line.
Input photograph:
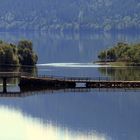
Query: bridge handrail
x,y
64,78
86,79
103,78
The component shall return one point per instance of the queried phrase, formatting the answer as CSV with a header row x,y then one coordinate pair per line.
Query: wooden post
x,y
4,85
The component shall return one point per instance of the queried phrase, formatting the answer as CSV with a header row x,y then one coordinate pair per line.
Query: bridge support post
x,y
4,85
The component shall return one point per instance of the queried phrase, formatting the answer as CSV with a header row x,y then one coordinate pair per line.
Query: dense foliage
x,y
20,54
8,54
69,14
122,52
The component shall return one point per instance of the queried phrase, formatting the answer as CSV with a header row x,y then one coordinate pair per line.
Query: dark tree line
x,y
122,52
20,54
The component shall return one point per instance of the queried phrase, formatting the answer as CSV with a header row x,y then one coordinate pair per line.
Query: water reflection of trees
x,y
121,73
30,71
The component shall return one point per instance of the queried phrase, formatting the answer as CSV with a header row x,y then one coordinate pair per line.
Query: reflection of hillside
x,y
108,113
121,73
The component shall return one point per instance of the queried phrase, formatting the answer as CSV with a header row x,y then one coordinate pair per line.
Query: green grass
x,y
122,64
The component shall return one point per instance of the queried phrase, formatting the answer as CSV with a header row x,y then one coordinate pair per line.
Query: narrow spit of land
x,y
122,54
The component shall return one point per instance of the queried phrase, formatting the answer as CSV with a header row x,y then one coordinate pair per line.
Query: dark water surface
x,y
58,115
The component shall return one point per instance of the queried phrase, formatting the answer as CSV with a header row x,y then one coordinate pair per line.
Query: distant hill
x,y
74,15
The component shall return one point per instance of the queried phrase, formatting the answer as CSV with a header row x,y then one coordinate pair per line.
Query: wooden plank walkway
x,y
67,82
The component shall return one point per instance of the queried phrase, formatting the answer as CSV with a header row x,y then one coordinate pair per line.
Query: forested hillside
x,y
72,15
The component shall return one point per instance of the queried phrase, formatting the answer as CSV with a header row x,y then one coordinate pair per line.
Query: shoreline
x,y
119,64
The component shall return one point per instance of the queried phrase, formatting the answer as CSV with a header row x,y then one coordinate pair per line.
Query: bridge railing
x,y
86,79
66,78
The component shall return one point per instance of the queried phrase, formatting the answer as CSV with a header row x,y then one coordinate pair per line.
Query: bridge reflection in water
x,y
64,91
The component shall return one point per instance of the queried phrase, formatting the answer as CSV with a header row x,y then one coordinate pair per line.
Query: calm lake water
x,y
58,115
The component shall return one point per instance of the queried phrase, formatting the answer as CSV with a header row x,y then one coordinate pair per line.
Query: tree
x,y
22,54
111,54
8,54
26,53
25,44
122,52
102,56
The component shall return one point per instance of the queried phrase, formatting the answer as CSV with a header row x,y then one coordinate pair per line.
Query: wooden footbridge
x,y
27,82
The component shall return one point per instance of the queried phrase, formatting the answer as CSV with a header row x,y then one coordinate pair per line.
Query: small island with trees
x,y
17,54
122,54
